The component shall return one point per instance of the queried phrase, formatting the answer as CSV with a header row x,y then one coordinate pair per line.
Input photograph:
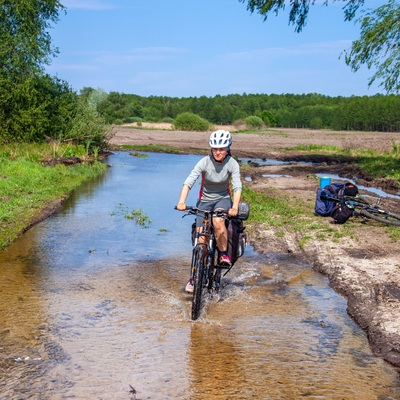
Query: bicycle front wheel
x,y
381,216
200,267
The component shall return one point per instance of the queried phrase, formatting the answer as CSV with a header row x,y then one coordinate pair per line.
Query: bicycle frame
x,y
362,208
206,232
205,273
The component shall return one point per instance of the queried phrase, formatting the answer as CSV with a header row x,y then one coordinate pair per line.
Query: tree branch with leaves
x,y
378,46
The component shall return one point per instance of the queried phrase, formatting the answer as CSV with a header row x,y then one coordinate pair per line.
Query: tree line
x,y
36,107
314,111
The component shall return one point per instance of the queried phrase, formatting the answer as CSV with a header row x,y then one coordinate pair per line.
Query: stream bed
x,y
92,306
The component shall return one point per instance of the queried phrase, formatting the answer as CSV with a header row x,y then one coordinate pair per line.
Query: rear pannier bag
x,y
237,238
341,213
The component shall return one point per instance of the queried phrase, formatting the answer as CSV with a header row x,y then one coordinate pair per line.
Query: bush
x,y
35,108
89,128
316,123
254,122
191,122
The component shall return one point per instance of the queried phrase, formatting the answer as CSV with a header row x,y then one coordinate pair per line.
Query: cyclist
x,y
219,171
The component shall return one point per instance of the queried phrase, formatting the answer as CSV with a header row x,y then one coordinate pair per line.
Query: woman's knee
x,y
219,223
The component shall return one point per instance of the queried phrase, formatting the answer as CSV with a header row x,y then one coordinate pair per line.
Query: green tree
x,y
35,108
378,47
25,45
33,105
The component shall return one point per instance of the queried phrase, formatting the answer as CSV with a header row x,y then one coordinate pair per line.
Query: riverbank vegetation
x,y
41,119
29,191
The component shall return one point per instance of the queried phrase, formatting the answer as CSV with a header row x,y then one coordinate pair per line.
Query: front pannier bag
x,y
243,211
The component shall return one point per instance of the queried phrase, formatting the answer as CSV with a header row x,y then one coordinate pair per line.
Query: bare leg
x,y
221,233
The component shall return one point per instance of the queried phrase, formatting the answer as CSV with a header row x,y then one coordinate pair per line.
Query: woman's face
x,y
219,154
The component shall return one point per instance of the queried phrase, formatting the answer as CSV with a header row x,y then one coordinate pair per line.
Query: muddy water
x,y
92,306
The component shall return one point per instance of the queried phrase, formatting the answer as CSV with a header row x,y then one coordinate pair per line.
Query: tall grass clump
x,y
191,122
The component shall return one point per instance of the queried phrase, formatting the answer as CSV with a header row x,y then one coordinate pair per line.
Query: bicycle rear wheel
x,y
200,267
381,216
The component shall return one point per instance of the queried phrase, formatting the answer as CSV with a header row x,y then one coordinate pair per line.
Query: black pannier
x,y
237,238
341,213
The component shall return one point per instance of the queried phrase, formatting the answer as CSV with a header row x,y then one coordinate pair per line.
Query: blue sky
x,y
184,48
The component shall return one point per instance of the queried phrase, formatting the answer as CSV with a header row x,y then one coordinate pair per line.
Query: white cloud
x,y
308,49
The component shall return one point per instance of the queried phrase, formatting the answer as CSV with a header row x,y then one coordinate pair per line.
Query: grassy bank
x,y
28,188
379,164
287,215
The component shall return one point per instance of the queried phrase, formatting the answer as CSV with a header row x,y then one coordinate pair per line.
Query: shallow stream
x,y
92,307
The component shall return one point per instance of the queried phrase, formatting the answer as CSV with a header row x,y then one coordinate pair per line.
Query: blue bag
x,y
323,206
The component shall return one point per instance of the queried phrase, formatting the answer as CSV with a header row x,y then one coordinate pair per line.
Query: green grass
x,y
27,187
40,152
282,213
151,148
378,164
326,149
288,216
262,132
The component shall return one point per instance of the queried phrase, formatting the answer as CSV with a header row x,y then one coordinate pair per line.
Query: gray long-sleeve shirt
x,y
215,178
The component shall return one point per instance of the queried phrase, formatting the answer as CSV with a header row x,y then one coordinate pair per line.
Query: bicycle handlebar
x,y
195,210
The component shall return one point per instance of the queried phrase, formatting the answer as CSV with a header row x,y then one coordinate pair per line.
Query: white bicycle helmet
x,y
220,139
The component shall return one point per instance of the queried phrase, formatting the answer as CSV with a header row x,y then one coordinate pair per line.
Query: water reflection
x,y
92,303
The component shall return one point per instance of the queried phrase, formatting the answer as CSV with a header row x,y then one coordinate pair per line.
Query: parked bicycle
x,y
206,272
360,207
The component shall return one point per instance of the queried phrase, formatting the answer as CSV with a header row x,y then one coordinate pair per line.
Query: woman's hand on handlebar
x,y
232,212
181,207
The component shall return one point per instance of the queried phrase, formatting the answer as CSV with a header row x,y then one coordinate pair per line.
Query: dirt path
x,y
364,268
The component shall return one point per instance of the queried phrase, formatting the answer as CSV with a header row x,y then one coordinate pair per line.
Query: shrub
x,y
268,118
168,120
89,128
316,123
254,122
191,122
35,108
